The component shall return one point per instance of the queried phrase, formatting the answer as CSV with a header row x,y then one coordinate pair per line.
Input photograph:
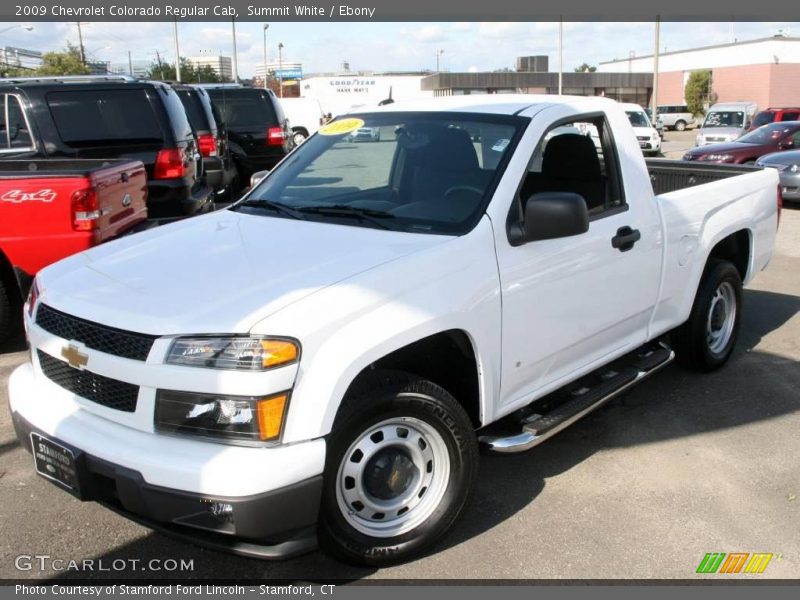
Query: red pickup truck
x,y
50,209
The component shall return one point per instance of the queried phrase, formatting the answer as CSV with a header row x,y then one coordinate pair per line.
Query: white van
x,y
726,121
646,134
305,117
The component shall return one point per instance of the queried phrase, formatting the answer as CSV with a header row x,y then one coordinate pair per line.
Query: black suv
x,y
258,132
114,117
212,139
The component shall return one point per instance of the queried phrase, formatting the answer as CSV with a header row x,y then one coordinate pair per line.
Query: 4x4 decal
x,y
18,196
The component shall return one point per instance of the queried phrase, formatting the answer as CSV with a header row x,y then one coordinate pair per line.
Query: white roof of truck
x,y
499,104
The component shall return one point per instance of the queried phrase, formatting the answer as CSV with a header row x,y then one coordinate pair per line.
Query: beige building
x,y
221,65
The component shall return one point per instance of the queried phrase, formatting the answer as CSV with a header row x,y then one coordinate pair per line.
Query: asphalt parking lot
x,y
683,465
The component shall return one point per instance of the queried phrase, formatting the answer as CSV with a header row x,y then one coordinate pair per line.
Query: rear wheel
x,y
299,136
400,465
706,340
680,125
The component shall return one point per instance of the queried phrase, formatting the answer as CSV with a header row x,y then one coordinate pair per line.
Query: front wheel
x,y
706,340
401,462
298,137
680,125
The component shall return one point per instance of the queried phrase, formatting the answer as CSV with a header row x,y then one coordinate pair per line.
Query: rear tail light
x,y
275,136
169,164
85,210
207,144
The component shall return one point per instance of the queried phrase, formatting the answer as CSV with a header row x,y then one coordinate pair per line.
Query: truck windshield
x,y
420,172
727,118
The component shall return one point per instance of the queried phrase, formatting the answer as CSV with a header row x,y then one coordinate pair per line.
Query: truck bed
x,y
20,169
672,175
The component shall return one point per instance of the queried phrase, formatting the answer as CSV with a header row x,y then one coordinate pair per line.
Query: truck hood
x,y
221,273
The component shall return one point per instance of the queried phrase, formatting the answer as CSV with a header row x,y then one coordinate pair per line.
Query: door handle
x,y
625,238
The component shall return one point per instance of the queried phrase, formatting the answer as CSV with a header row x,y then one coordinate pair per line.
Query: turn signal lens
x,y
277,352
270,417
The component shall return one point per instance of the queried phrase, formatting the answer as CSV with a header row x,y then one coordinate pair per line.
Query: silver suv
x,y
676,116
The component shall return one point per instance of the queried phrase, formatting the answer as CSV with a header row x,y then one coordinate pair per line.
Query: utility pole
x,y
654,105
160,70
235,61
280,66
560,56
130,64
266,26
438,54
80,44
177,50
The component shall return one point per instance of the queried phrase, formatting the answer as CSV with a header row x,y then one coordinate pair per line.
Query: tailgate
x,y
121,198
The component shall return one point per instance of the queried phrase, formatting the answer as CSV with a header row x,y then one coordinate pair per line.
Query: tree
x,y
586,68
697,91
67,62
162,71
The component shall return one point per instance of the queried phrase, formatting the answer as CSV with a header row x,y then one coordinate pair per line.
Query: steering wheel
x,y
463,188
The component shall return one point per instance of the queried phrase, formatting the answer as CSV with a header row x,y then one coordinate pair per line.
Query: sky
x,y
322,47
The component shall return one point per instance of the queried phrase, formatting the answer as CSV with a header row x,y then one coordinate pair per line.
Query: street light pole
x,y
654,108
25,27
235,60
560,56
439,52
280,66
266,26
177,51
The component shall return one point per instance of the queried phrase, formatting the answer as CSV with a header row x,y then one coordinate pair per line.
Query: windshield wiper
x,y
368,215
273,206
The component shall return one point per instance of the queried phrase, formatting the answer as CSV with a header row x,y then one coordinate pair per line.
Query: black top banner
x,y
400,10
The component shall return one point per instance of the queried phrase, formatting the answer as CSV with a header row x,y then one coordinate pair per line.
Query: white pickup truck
x,y
370,314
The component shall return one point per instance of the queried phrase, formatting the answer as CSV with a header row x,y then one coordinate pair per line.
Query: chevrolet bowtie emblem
x,y
75,357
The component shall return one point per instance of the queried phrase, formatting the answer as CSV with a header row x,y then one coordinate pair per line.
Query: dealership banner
x,y
394,10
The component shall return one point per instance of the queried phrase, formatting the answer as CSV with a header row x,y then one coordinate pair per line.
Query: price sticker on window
x,y
341,127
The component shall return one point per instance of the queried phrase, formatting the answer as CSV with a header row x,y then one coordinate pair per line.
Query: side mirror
x,y
258,176
551,215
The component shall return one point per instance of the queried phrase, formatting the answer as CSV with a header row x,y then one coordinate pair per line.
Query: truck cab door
x,y
575,303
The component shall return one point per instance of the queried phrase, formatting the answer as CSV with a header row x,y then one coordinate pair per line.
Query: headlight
x,y
245,418
794,168
239,353
33,296
720,157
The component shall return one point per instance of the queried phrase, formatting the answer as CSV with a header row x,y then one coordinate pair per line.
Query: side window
x,y
14,132
790,116
578,157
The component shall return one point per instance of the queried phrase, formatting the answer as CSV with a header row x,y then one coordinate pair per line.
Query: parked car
x,y
111,117
51,209
305,117
676,116
772,115
724,122
751,146
647,135
258,130
788,166
365,134
383,313
218,167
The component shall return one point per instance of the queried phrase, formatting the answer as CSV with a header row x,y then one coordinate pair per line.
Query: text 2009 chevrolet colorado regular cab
x,y
489,272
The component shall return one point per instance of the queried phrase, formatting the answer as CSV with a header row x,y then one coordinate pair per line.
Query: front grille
x,y
96,388
643,138
110,340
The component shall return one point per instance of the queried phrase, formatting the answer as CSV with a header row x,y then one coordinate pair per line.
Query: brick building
x,y
765,71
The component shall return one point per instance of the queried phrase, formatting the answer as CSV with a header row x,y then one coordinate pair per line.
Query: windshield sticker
x,y
18,196
500,144
341,127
